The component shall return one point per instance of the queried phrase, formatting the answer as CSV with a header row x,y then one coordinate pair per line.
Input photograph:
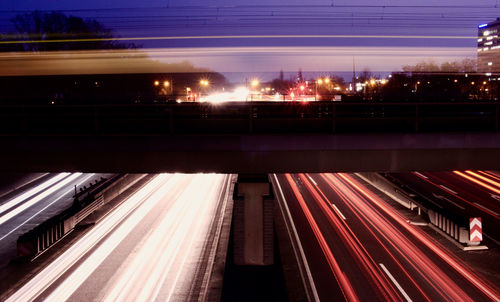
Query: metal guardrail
x,y
248,118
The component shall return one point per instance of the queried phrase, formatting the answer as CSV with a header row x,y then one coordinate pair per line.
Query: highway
x,y
465,194
358,248
147,249
33,204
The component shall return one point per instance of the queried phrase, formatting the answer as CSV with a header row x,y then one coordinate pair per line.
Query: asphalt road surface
x,y
359,248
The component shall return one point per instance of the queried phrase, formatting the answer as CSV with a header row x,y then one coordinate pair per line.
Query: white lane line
x,y
338,211
448,200
297,239
33,216
401,290
312,180
486,209
421,175
448,189
15,201
38,197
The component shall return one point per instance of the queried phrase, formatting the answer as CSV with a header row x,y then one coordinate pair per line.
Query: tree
x,y
78,33
422,66
466,65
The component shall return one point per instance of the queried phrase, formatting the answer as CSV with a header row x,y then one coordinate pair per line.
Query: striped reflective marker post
x,y
476,229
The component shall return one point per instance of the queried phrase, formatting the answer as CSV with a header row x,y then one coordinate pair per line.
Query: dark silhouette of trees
x,y
42,31
466,65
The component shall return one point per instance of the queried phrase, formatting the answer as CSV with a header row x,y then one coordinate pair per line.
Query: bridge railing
x,y
248,118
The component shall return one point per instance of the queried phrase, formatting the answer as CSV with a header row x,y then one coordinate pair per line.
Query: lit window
x,y
488,74
489,38
490,63
480,40
486,48
479,49
488,43
486,32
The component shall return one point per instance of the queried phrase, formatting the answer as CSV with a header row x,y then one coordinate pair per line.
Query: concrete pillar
x,y
463,235
253,221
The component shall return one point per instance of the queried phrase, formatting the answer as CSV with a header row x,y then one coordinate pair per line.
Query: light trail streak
x,y
15,201
342,280
330,181
426,269
44,208
489,180
53,271
489,290
479,182
182,207
239,37
351,241
152,264
38,197
492,175
461,198
299,243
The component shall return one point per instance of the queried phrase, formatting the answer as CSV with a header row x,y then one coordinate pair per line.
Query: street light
x,y
157,83
166,83
254,83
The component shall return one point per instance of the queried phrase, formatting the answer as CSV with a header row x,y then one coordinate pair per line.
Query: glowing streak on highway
x,y
482,184
187,214
343,281
464,200
15,201
438,276
374,236
489,174
154,261
37,198
43,209
49,275
429,271
365,261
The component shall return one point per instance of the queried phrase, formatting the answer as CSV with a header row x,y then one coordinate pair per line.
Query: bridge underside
x,y
251,153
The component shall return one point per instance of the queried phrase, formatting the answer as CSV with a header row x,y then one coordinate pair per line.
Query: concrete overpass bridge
x,y
250,137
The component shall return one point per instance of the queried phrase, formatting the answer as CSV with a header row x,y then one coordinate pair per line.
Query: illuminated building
x,y
488,47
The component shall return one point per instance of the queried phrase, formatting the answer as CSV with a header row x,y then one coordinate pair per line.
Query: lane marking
x,y
421,175
448,189
312,179
486,209
448,200
401,290
338,211
297,239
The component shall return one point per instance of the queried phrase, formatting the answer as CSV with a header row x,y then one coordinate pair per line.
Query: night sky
x,y
359,30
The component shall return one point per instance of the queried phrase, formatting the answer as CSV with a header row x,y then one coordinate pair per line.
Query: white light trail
x,y
53,271
44,208
38,197
15,201
156,267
